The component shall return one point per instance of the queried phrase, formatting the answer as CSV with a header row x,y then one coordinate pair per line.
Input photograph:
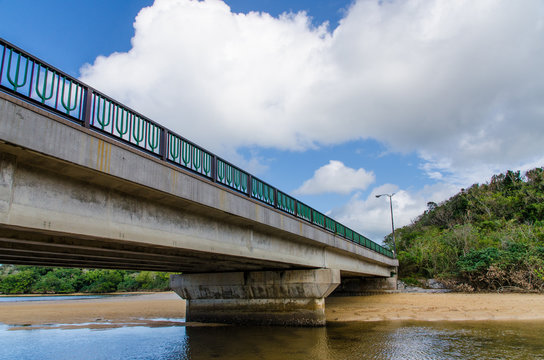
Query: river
x,y
170,339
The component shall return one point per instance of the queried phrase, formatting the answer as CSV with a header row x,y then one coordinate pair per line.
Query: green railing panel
x,y
25,75
340,229
304,211
45,83
231,176
330,224
14,77
318,218
356,238
188,155
113,118
262,191
286,202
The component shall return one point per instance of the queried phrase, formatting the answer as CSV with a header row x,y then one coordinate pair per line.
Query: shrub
x,y
17,283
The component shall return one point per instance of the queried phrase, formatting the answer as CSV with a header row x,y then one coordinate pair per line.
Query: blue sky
x,y
100,27
415,97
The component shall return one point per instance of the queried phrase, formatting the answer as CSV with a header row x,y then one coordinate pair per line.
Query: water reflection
x,y
385,340
439,340
257,343
381,340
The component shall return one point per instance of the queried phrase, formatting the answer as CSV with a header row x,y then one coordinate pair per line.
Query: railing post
x,y
2,65
249,185
163,150
87,107
275,197
214,168
31,79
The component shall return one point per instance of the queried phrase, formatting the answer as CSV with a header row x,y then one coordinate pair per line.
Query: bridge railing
x,y
45,86
232,176
184,153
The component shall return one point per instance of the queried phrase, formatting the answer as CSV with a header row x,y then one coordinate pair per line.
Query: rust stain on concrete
x,y
173,180
103,156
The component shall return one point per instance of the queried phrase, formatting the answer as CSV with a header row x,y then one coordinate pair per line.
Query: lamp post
x,y
392,223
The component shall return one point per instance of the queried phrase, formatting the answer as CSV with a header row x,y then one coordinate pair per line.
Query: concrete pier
x,y
292,297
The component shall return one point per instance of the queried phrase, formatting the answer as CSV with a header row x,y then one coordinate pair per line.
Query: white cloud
x,y
372,217
335,177
459,82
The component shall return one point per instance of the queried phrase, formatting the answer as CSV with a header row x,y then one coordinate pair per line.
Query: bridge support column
x,y
290,297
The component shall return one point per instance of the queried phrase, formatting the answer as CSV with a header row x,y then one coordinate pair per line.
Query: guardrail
x,y
45,86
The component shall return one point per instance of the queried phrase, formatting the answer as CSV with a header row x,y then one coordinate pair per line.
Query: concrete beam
x,y
292,297
80,250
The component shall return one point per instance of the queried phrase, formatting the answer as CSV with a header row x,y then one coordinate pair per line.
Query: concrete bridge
x,y
78,189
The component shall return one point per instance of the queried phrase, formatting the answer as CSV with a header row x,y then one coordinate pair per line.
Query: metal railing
x,y
45,86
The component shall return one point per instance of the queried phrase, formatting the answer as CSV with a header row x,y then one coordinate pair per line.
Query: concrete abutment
x,y
290,297
357,286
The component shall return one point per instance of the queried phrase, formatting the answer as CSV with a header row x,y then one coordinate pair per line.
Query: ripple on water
x,y
379,340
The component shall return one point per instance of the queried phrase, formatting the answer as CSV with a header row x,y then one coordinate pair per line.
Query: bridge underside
x,y
29,247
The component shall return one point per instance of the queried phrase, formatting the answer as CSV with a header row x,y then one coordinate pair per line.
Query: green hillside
x,y
487,237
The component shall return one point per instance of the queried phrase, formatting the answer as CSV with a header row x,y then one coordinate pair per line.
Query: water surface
x,y
378,340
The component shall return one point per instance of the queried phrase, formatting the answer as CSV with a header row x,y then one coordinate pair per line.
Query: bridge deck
x,y
93,201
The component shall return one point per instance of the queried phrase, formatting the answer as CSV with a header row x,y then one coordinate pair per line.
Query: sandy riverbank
x,y
436,307
115,309
405,306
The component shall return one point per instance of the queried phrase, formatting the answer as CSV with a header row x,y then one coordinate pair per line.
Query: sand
x,y
116,309
436,307
140,309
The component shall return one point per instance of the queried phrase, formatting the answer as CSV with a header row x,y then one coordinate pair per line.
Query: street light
x,y
392,224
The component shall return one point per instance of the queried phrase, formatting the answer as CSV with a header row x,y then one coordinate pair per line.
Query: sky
x,y
333,102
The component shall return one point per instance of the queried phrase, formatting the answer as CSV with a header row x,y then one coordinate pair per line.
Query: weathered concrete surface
x,y
292,297
7,167
72,197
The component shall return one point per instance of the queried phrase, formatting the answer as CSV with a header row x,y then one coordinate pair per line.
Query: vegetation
x,y
487,237
44,280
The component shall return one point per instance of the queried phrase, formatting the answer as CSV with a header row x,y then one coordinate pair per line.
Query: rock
x,y
435,284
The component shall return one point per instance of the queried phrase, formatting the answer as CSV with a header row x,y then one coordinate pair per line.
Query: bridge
x,y
85,181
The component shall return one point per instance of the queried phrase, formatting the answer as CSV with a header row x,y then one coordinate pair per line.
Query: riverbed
x,y
393,326
386,307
